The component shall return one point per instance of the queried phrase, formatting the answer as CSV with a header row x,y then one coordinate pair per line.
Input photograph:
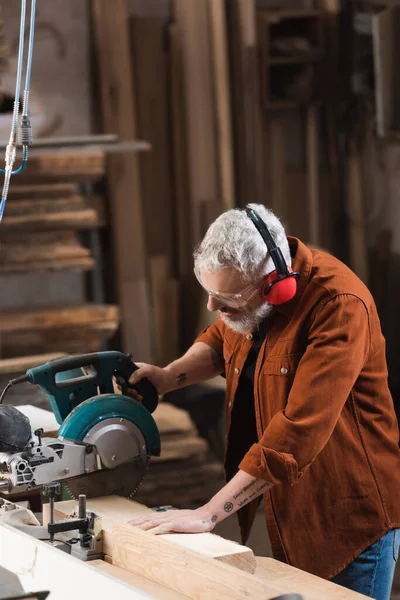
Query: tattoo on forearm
x,y
213,518
181,378
228,507
246,487
263,486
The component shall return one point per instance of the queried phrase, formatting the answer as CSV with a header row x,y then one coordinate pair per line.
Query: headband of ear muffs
x,y
280,286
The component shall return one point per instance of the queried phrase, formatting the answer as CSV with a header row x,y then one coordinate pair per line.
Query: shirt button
x,y
284,370
236,370
250,336
230,404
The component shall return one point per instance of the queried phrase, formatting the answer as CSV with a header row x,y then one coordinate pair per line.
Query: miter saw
x,y
105,439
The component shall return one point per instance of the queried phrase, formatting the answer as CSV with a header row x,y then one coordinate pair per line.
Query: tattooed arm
x,y
200,362
237,493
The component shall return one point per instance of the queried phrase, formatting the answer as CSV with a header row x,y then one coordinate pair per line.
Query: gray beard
x,y
250,320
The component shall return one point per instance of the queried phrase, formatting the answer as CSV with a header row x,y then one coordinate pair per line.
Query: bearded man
x,y
311,425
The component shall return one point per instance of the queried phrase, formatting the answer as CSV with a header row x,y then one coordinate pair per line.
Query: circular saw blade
x,y
124,480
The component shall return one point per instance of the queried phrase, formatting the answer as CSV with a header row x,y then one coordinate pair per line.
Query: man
x,y
310,419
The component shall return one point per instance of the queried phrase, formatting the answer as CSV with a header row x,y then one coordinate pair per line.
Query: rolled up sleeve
x,y
338,347
212,336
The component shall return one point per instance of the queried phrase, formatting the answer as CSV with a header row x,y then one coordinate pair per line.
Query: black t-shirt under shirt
x,y
243,431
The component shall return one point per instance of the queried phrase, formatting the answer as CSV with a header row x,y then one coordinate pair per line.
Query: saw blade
x,y
124,480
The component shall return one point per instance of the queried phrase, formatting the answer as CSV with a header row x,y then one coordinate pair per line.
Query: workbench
x,y
139,565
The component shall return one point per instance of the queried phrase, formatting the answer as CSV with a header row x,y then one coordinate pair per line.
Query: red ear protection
x,y
281,285
278,291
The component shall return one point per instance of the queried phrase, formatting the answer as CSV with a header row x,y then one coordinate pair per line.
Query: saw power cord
x,y
21,135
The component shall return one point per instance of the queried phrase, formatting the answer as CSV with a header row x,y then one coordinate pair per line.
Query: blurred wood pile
x,y
46,212
183,474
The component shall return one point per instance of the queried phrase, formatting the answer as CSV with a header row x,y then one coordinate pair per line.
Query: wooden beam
x,y
114,510
183,570
135,581
44,329
222,101
291,580
11,366
115,71
191,17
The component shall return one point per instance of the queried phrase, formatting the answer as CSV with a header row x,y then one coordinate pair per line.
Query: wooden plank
x,y
135,581
114,510
291,580
66,166
173,420
41,191
150,64
20,364
88,326
193,28
41,567
246,107
312,160
71,212
116,78
25,252
222,101
183,570
180,154
59,317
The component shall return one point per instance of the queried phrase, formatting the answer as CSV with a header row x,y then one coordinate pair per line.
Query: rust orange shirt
x,y
326,427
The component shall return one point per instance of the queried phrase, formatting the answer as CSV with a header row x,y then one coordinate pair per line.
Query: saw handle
x,y
125,368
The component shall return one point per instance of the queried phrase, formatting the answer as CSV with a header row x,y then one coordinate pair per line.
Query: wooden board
x,y
72,328
41,191
55,251
292,580
135,581
183,570
150,67
222,101
12,366
68,166
69,212
195,43
118,110
115,510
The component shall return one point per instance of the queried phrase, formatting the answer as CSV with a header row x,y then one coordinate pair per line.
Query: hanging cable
x,y
23,135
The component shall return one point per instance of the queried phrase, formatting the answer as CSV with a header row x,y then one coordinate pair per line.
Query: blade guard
x,y
111,406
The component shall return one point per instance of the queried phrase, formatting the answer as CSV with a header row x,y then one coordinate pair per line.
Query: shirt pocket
x,y
278,375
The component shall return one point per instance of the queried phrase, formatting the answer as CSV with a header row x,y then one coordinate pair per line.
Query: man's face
x,y
241,305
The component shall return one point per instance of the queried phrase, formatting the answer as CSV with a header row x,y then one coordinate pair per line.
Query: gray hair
x,y
232,241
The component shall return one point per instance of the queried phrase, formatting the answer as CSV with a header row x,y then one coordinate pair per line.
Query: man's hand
x,y
177,521
240,490
160,378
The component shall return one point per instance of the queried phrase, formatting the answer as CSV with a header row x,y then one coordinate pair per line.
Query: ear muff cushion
x,y
278,292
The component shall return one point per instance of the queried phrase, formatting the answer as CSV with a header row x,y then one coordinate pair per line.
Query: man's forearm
x,y
201,362
240,490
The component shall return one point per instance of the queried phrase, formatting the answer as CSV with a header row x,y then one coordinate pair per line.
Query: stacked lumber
x,y
46,213
71,329
182,475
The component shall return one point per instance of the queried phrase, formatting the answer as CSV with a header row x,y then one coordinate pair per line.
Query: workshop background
x,y
189,108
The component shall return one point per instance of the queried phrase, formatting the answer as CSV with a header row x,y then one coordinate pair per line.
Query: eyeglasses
x,y
238,300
